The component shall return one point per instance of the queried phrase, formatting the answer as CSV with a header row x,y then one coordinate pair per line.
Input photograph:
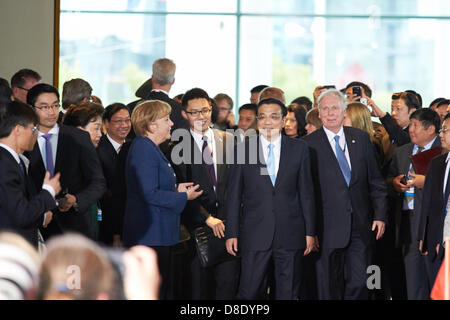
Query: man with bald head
x,y
351,200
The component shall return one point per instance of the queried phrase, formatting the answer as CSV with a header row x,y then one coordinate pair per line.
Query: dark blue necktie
x,y
340,155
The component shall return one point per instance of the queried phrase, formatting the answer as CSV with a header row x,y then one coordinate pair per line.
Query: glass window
x,y
232,46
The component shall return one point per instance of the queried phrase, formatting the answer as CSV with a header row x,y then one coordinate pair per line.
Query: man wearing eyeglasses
x,y
435,217
111,148
22,81
408,194
22,210
70,152
271,181
204,162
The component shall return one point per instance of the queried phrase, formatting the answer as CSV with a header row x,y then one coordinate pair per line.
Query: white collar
x,y
265,142
448,157
159,90
199,137
10,150
53,131
114,143
330,134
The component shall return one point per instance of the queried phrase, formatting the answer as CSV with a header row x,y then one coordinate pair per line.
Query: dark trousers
x,y
218,282
342,273
287,273
164,263
417,285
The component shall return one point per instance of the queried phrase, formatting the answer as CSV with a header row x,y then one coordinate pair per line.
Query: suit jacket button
x,y
168,164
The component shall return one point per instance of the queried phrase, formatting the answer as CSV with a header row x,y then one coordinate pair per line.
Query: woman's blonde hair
x,y
147,112
359,115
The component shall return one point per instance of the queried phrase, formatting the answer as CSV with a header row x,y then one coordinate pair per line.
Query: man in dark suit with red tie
x,y
351,199
408,194
22,210
271,180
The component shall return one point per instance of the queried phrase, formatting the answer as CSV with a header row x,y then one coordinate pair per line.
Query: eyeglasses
x,y
224,109
121,121
273,116
195,114
48,108
24,89
443,130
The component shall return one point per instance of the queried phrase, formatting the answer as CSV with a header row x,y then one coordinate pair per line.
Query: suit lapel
x,y
262,164
60,150
331,154
284,153
352,154
220,155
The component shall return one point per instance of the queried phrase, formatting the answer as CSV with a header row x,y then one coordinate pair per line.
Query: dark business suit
x,y
432,214
112,211
408,226
153,207
81,175
21,210
275,219
175,115
346,213
398,135
193,169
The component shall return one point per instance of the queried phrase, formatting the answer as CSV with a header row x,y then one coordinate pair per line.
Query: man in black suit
x,y
423,131
351,198
163,78
203,161
271,179
118,124
21,209
69,151
435,206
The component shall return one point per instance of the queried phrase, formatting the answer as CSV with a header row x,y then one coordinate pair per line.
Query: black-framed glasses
x,y
24,89
48,108
195,114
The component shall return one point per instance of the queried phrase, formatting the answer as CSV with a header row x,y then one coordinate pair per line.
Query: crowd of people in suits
x,y
303,198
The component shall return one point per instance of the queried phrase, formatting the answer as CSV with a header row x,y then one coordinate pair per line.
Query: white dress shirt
x,y
198,138
342,143
276,150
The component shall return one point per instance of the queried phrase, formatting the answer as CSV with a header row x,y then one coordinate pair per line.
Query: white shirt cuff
x,y
50,189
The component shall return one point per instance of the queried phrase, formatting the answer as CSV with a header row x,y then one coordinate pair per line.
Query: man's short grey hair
x,y
74,91
335,93
163,71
